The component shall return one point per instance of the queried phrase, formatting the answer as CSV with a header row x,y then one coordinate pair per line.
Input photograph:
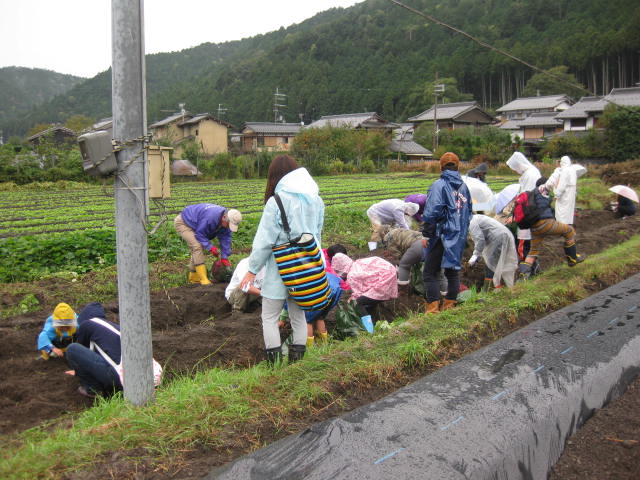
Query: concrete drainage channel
x,y
503,412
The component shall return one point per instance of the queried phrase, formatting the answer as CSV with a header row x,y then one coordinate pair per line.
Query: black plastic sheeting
x,y
503,412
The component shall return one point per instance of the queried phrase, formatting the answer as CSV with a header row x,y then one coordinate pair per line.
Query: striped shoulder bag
x,y
301,267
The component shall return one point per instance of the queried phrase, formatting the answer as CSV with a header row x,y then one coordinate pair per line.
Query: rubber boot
x,y
573,258
448,304
524,271
274,355
433,307
194,277
296,352
201,271
45,355
323,337
310,341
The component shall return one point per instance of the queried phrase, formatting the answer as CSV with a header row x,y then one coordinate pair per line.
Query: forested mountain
x,y
23,88
377,56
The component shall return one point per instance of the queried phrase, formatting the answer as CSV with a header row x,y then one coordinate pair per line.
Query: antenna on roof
x,y
221,111
278,98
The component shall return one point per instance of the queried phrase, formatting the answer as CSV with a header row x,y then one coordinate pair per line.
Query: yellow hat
x,y
64,316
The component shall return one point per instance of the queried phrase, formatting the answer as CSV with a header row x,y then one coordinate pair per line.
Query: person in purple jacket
x,y
419,199
199,224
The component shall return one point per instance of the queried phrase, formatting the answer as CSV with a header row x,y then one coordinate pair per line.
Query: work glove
x,y
472,261
214,251
225,262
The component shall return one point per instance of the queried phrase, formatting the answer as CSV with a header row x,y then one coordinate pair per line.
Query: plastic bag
x,y
348,323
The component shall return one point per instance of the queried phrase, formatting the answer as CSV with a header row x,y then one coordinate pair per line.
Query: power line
x,y
491,47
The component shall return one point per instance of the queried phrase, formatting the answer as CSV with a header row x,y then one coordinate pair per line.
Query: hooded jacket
x,y
564,181
391,212
305,212
529,175
50,333
205,219
89,331
447,214
494,242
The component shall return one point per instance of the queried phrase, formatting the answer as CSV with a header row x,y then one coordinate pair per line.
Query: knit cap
x,y
448,158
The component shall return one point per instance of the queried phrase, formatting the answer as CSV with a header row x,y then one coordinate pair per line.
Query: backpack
x,y
525,211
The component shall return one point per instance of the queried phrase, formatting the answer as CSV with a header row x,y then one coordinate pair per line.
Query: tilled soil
x,y
193,329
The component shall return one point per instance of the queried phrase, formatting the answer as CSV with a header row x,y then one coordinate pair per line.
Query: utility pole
x,y
129,129
277,99
437,88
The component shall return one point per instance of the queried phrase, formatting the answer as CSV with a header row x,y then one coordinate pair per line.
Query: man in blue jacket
x,y
199,224
446,218
96,353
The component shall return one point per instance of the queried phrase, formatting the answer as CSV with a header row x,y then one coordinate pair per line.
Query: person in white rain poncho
x,y
564,180
529,174
390,212
494,242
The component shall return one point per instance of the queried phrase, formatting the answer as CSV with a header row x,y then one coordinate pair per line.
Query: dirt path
x,y
193,329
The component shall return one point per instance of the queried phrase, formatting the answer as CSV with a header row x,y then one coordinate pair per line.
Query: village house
x,y
210,133
521,108
355,121
403,145
454,115
56,134
268,136
585,114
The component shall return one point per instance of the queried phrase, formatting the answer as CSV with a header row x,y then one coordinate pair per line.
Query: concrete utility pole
x,y
437,88
130,123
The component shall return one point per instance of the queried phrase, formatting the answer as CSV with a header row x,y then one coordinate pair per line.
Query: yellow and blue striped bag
x,y
302,269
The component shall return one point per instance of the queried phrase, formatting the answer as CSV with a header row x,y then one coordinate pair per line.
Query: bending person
x,y
199,224
494,243
372,280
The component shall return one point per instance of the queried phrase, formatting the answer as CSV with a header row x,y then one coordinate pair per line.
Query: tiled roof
x,y
582,109
203,116
352,120
629,97
533,103
273,128
510,125
58,128
170,119
408,147
449,111
540,119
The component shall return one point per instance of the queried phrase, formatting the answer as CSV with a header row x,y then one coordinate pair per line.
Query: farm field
x,y
81,207
194,331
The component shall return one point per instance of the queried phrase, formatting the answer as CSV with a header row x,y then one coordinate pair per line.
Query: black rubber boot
x,y
296,352
524,271
274,355
573,258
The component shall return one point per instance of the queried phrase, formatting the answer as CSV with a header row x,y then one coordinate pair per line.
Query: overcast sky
x,y
74,36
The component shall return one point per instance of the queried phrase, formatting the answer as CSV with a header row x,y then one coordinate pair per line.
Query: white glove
x,y
472,261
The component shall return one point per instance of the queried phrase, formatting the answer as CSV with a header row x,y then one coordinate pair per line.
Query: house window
x,y
196,132
578,123
261,141
548,131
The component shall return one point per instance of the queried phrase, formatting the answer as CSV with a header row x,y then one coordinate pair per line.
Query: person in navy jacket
x,y
199,224
96,337
446,218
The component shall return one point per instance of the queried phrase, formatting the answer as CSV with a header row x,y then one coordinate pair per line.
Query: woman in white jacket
x,y
529,174
305,214
564,181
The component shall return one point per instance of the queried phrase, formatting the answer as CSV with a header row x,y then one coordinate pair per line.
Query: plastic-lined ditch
x,y
503,412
